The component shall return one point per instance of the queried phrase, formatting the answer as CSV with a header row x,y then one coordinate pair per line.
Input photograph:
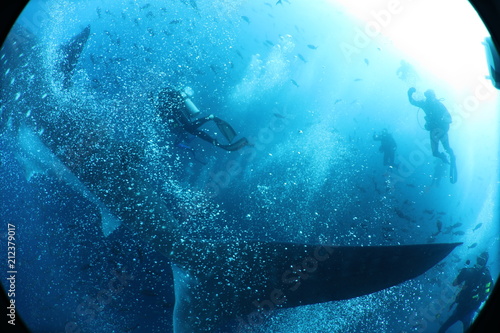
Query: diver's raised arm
x,y
412,100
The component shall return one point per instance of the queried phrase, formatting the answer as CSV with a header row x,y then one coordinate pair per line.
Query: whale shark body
x,y
215,282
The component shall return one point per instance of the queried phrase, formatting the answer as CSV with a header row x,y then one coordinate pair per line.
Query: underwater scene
x,y
248,166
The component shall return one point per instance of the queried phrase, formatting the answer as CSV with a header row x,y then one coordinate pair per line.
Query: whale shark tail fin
x,y
247,280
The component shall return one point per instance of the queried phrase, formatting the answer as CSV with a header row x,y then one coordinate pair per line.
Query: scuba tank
x,y
186,94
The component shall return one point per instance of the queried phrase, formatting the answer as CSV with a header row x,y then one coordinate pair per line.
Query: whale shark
x,y
215,282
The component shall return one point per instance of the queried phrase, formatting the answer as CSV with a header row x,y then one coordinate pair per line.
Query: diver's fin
x,y
226,129
453,170
236,145
249,279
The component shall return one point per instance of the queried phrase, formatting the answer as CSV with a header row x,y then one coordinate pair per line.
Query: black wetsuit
x,y
437,122
387,146
477,285
173,112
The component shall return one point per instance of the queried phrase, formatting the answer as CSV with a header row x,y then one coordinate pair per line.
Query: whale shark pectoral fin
x,y
38,158
246,278
109,223
30,167
355,271
71,52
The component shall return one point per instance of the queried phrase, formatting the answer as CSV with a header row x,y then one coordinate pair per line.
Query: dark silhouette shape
x,y
176,110
437,122
477,284
387,146
70,53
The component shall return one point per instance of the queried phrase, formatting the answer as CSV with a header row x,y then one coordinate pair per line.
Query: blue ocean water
x,y
309,91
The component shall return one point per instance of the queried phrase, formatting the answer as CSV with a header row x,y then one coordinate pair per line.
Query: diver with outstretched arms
x,y
437,122
177,110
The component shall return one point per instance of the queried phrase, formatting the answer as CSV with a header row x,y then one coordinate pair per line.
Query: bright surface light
x,y
444,37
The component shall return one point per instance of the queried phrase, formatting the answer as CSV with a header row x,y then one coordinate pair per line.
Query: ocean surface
x,y
308,83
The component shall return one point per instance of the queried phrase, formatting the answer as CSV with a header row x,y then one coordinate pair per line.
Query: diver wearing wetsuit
x,y
477,285
437,122
387,146
173,111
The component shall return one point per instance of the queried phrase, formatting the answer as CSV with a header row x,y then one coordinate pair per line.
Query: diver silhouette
x,y
387,146
176,109
477,285
437,122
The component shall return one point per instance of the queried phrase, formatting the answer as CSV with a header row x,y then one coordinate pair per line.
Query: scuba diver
x,y
176,109
387,146
437,122
477,285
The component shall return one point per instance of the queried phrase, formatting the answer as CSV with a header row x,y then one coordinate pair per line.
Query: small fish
x,y
215,69
268,43
402,215
477,227
459,233
456,225
277,115
146,6
192,3
301,57
361,188
312,47
337,101
246,19
294,83
358,79
428,211
279,3
439,225
268,4
175,22
472,246
149,292
367,62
